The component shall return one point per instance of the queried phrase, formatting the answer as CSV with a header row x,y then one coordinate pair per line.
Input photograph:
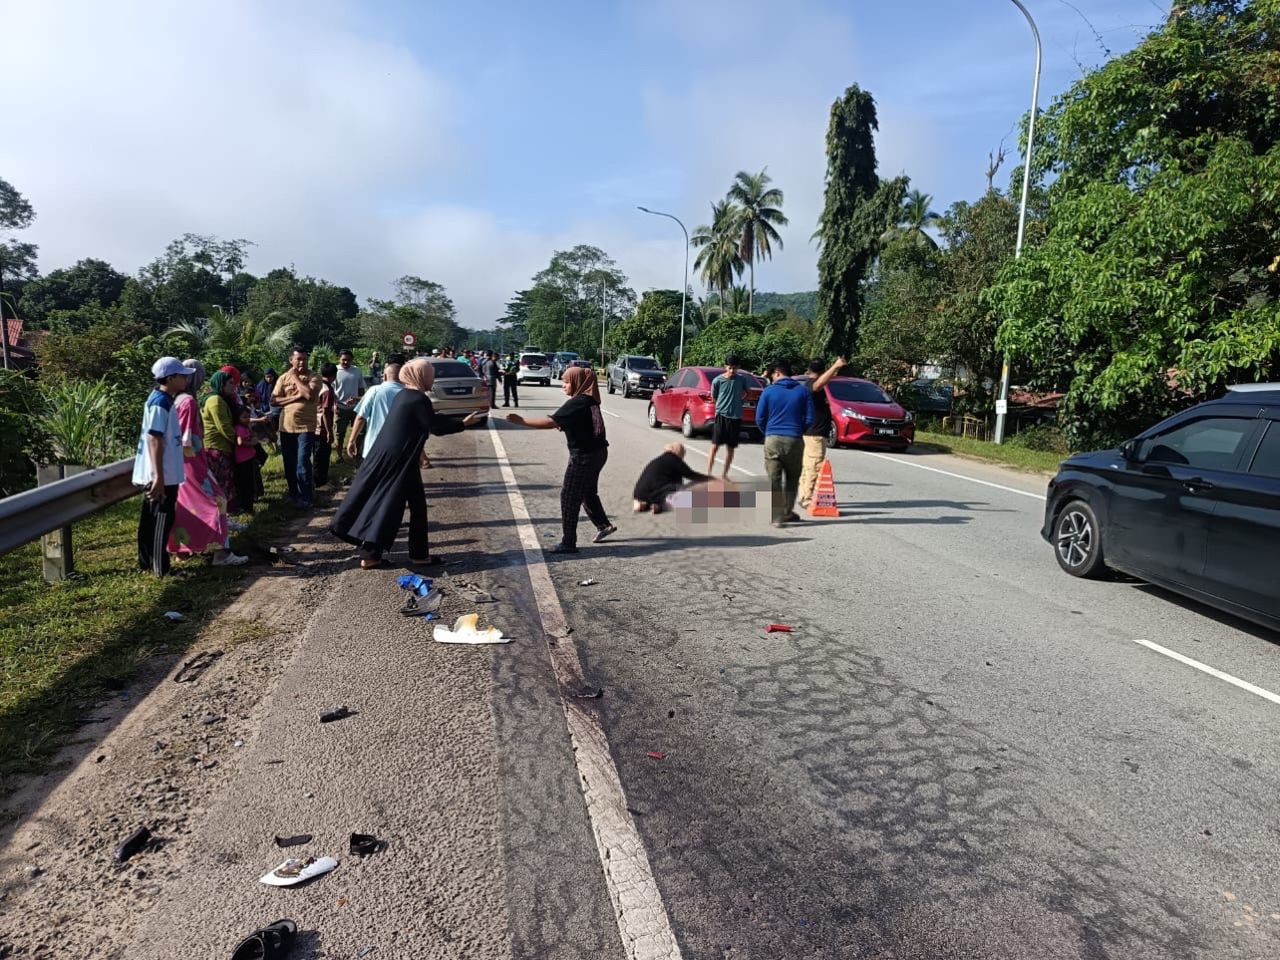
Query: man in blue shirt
x,y
726,392
372,410
158,465
784,413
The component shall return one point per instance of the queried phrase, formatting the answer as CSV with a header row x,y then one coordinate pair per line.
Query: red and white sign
x,y
409,339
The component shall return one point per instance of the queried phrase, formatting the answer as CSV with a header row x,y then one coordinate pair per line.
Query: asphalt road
x,y
959,753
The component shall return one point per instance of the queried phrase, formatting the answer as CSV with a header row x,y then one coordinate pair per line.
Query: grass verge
x,y
63,646
1020,458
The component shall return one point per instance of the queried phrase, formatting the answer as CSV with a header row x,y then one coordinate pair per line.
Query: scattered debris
x,y
671,714
480,596
297,841
415,583
337,713
365,951
193,668
465,631
656,755
281,551
427,605
589,582
173,616
589,693
135,843
293,872
275,940
364,844
777,628
209,719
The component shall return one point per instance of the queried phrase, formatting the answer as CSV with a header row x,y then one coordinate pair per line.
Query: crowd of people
x,y
199,460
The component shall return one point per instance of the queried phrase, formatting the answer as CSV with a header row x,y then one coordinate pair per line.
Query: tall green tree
x,y
858,208
69,288
760,214
719,259
1158,280
914,219
574,298
654,329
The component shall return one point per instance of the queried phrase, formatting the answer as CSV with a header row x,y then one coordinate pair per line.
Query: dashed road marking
x,y
642,917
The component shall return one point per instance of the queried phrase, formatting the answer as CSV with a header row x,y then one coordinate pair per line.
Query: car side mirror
x,y
1129,450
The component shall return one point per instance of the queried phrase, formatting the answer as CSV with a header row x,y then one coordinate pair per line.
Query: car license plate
x,y
455,391
886,432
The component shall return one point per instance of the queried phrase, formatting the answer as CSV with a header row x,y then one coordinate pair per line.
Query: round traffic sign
x,y
409,339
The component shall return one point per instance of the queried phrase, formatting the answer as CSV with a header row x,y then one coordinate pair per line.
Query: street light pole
x,y
684,288
1002,404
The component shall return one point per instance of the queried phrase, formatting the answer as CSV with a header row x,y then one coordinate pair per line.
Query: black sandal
x,y
428,562
272,942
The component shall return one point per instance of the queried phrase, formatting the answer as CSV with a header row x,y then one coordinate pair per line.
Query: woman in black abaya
x,y
389,478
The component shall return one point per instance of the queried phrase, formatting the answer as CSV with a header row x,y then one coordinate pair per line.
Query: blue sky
x,y
466,142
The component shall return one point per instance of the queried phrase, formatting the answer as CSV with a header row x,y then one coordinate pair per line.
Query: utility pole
x,y
1002,404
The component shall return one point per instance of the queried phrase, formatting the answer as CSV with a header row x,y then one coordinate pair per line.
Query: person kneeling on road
x,y
662,477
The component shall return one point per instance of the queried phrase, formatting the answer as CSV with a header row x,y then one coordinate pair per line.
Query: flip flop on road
x,y
270,943
293,872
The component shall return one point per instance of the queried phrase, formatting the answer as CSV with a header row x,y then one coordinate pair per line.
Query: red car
x,y
685,400
862,414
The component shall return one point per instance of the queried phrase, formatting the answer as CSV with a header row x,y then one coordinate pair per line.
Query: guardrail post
x,y
56,553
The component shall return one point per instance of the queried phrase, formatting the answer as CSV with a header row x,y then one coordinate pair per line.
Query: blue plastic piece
x,y
420,585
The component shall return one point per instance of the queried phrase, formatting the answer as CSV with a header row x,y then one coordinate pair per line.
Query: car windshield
x,y
858,391
533,360
644,363
450,370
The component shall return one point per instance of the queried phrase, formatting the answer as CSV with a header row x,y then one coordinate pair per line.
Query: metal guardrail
x,y
49,510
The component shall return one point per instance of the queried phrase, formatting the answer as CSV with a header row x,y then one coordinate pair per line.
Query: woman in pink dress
x,y
201,522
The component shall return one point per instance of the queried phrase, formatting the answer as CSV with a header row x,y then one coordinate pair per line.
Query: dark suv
x,y
1192,504
635,376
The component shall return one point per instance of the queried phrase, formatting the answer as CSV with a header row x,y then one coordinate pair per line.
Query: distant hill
x,y
804,304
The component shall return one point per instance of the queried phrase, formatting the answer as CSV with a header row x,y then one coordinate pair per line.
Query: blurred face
x,y
730,370
299,361
176,384
270,378
344,361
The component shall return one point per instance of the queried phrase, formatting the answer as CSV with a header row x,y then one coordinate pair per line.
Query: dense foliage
x,y
1157,281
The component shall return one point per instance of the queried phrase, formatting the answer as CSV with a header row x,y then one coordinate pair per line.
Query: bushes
x,y
79,418
1046,438
21,439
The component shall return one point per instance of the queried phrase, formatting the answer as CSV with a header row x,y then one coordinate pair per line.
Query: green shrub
x,y
21,438
77,417
1046,438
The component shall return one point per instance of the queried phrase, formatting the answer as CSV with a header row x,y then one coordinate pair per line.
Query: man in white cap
x,y
158,464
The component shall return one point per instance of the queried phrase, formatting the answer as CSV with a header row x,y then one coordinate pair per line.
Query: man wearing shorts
x,y
726,391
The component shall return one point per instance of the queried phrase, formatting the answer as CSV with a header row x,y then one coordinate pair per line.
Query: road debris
x,y
297,841
190,671
656,755
337,713
479,596
589,582
274,940
588,693
364,844
293,872
141,839
209,719
465,630
173,616
777,628
415,606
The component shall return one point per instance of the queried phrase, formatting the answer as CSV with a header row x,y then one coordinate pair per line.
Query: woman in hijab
x,y
201,524
262,392
582,424
389,478
220,432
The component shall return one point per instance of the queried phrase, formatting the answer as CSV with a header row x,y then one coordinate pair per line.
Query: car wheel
x,y
609,386
1077,540
626,390
833,436
653,418
686,424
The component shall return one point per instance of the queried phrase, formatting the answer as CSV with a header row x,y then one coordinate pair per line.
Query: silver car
x,y
534,366
457,390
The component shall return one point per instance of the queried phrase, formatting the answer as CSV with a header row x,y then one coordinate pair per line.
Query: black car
x,y
1192,504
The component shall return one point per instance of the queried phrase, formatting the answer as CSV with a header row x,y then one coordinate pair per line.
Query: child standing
x,y
158,465
246,462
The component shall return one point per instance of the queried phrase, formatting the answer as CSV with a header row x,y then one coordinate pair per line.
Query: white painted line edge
x,y
1211,671
643,923
958,476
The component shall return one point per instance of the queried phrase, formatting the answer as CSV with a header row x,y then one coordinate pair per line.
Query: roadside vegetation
x,y
64,646
1009,454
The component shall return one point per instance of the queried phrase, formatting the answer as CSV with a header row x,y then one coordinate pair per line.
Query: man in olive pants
x,y
783,413
815,437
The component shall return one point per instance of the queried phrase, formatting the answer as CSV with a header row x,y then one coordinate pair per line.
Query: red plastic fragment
x,y
777,628
656,755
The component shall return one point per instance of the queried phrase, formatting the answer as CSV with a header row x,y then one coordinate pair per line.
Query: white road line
x,y
958,476
642,917
1211,671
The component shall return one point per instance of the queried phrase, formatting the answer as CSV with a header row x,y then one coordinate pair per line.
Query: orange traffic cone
x,y
823,503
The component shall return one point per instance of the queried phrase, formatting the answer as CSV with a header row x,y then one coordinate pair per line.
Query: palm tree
x,y
738,298
235,332
914,217
761,212
718,258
